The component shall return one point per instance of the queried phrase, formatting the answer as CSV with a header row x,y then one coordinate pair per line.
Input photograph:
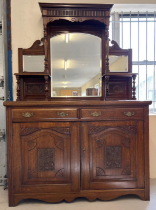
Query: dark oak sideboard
x,y
64,150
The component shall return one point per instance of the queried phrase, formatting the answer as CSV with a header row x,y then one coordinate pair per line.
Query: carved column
x,y
18,87
46,88
133,88
46,50
107,85
107,48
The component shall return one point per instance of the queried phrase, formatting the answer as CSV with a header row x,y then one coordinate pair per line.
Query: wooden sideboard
x,y
64,150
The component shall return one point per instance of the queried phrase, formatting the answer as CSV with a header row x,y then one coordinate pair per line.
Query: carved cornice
x,y
115,46
75,12
37,45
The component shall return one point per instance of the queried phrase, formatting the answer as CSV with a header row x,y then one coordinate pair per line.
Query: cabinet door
x,y
112,155
46,157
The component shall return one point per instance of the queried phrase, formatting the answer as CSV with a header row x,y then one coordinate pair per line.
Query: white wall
x,y
152,142
26,23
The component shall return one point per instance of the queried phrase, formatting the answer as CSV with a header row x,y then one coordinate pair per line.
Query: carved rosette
x,y
100,171
32,144
59,143
116,88
46,159
60,173
31,174
126,142
126,170
113,157
35,89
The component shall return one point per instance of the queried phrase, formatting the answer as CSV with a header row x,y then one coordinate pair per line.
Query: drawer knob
x,y
27,114
129,114
95,114
62,114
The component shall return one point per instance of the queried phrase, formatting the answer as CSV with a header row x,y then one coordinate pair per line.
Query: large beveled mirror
x,y
75,65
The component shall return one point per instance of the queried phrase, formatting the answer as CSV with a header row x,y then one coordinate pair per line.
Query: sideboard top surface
x,y
76,103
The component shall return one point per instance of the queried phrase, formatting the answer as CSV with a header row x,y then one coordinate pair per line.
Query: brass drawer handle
x,y
62,114
129,114
95,114
27,114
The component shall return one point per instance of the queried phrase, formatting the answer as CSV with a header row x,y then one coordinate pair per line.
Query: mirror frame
x,y
36,49
116,50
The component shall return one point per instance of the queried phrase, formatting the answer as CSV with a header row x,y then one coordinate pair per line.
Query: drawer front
x,y
117,113
35,114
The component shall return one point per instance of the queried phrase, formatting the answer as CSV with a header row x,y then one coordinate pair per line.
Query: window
x,y
138,31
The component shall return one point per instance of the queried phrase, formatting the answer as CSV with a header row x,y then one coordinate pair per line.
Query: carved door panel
x,y
48,151
112,155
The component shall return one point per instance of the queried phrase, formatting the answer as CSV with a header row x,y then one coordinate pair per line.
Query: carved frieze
x,y
113,157
62,130
46,159
75,13
97,129
27,131
117,88
35,89
130,129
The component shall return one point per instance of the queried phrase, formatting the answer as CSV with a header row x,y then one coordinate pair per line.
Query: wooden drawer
x,y
42,114
117,113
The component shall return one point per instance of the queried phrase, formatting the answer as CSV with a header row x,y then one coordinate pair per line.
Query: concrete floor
x,y
122,203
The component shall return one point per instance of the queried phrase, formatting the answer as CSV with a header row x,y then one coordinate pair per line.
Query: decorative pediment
x,y
75,12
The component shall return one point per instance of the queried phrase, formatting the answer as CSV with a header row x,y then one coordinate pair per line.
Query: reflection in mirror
x,y
33,63
118,63
75,65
